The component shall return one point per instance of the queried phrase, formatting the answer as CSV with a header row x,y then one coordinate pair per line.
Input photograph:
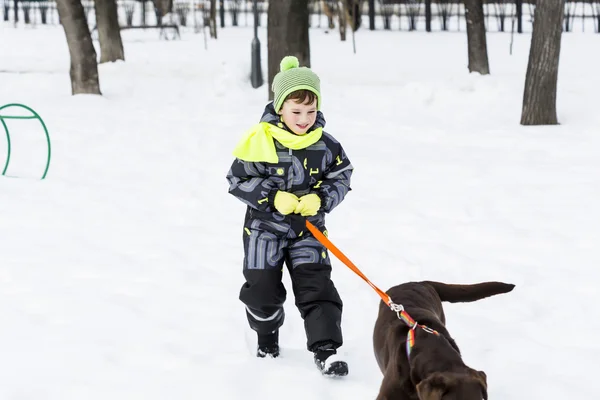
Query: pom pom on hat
x,y
292,78
289,62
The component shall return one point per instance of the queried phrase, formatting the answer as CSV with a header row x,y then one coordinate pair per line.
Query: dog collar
x,y
412,324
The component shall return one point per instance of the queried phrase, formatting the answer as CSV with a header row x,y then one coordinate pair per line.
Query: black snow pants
x,y
309,266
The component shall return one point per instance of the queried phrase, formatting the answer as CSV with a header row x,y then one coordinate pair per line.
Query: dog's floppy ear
x,y
481,377
433,387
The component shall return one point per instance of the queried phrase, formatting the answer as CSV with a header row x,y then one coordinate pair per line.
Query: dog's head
x,y
471,385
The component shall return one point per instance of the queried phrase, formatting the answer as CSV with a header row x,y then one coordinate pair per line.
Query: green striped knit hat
x,y
291,78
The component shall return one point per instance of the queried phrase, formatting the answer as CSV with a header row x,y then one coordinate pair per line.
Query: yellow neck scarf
x,y
257,144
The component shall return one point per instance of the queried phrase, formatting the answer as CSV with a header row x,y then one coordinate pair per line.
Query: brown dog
x,y
434,369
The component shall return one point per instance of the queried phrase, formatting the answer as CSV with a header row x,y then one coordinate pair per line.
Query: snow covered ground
x,y
119,273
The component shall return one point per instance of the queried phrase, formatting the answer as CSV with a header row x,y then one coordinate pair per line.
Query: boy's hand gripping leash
x,y
397,308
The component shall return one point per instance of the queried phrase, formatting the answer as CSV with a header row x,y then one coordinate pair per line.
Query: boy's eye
x,y
296,112
311,112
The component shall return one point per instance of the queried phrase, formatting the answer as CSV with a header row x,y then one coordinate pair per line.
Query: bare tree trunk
x,y
213,19
163,7
84,67
287,34
328,10
478,58
354,13
539,99
109,31
342,13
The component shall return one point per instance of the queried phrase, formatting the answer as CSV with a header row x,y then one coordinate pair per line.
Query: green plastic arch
x,y
33,116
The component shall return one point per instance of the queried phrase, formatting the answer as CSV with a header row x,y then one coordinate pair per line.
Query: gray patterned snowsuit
x,y
270,238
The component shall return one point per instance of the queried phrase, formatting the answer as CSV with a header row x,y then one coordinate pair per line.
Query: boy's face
x,y
298,117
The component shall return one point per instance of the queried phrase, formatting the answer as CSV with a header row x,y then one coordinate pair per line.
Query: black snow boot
x,y
328,362
268,345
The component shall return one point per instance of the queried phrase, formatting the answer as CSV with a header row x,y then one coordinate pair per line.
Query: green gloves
x,y
287,203
308,205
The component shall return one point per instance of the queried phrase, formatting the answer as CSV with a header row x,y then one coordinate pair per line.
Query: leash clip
x,y
397,308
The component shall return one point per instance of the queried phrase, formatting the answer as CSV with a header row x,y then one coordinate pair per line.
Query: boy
x,y
288,170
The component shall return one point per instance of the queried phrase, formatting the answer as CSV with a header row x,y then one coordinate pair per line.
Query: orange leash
x,y
397,308
331,247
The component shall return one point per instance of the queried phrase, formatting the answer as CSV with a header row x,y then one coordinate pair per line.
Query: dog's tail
x,y
467,293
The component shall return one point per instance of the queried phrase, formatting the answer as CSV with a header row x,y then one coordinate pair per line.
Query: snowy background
x,y
119,273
